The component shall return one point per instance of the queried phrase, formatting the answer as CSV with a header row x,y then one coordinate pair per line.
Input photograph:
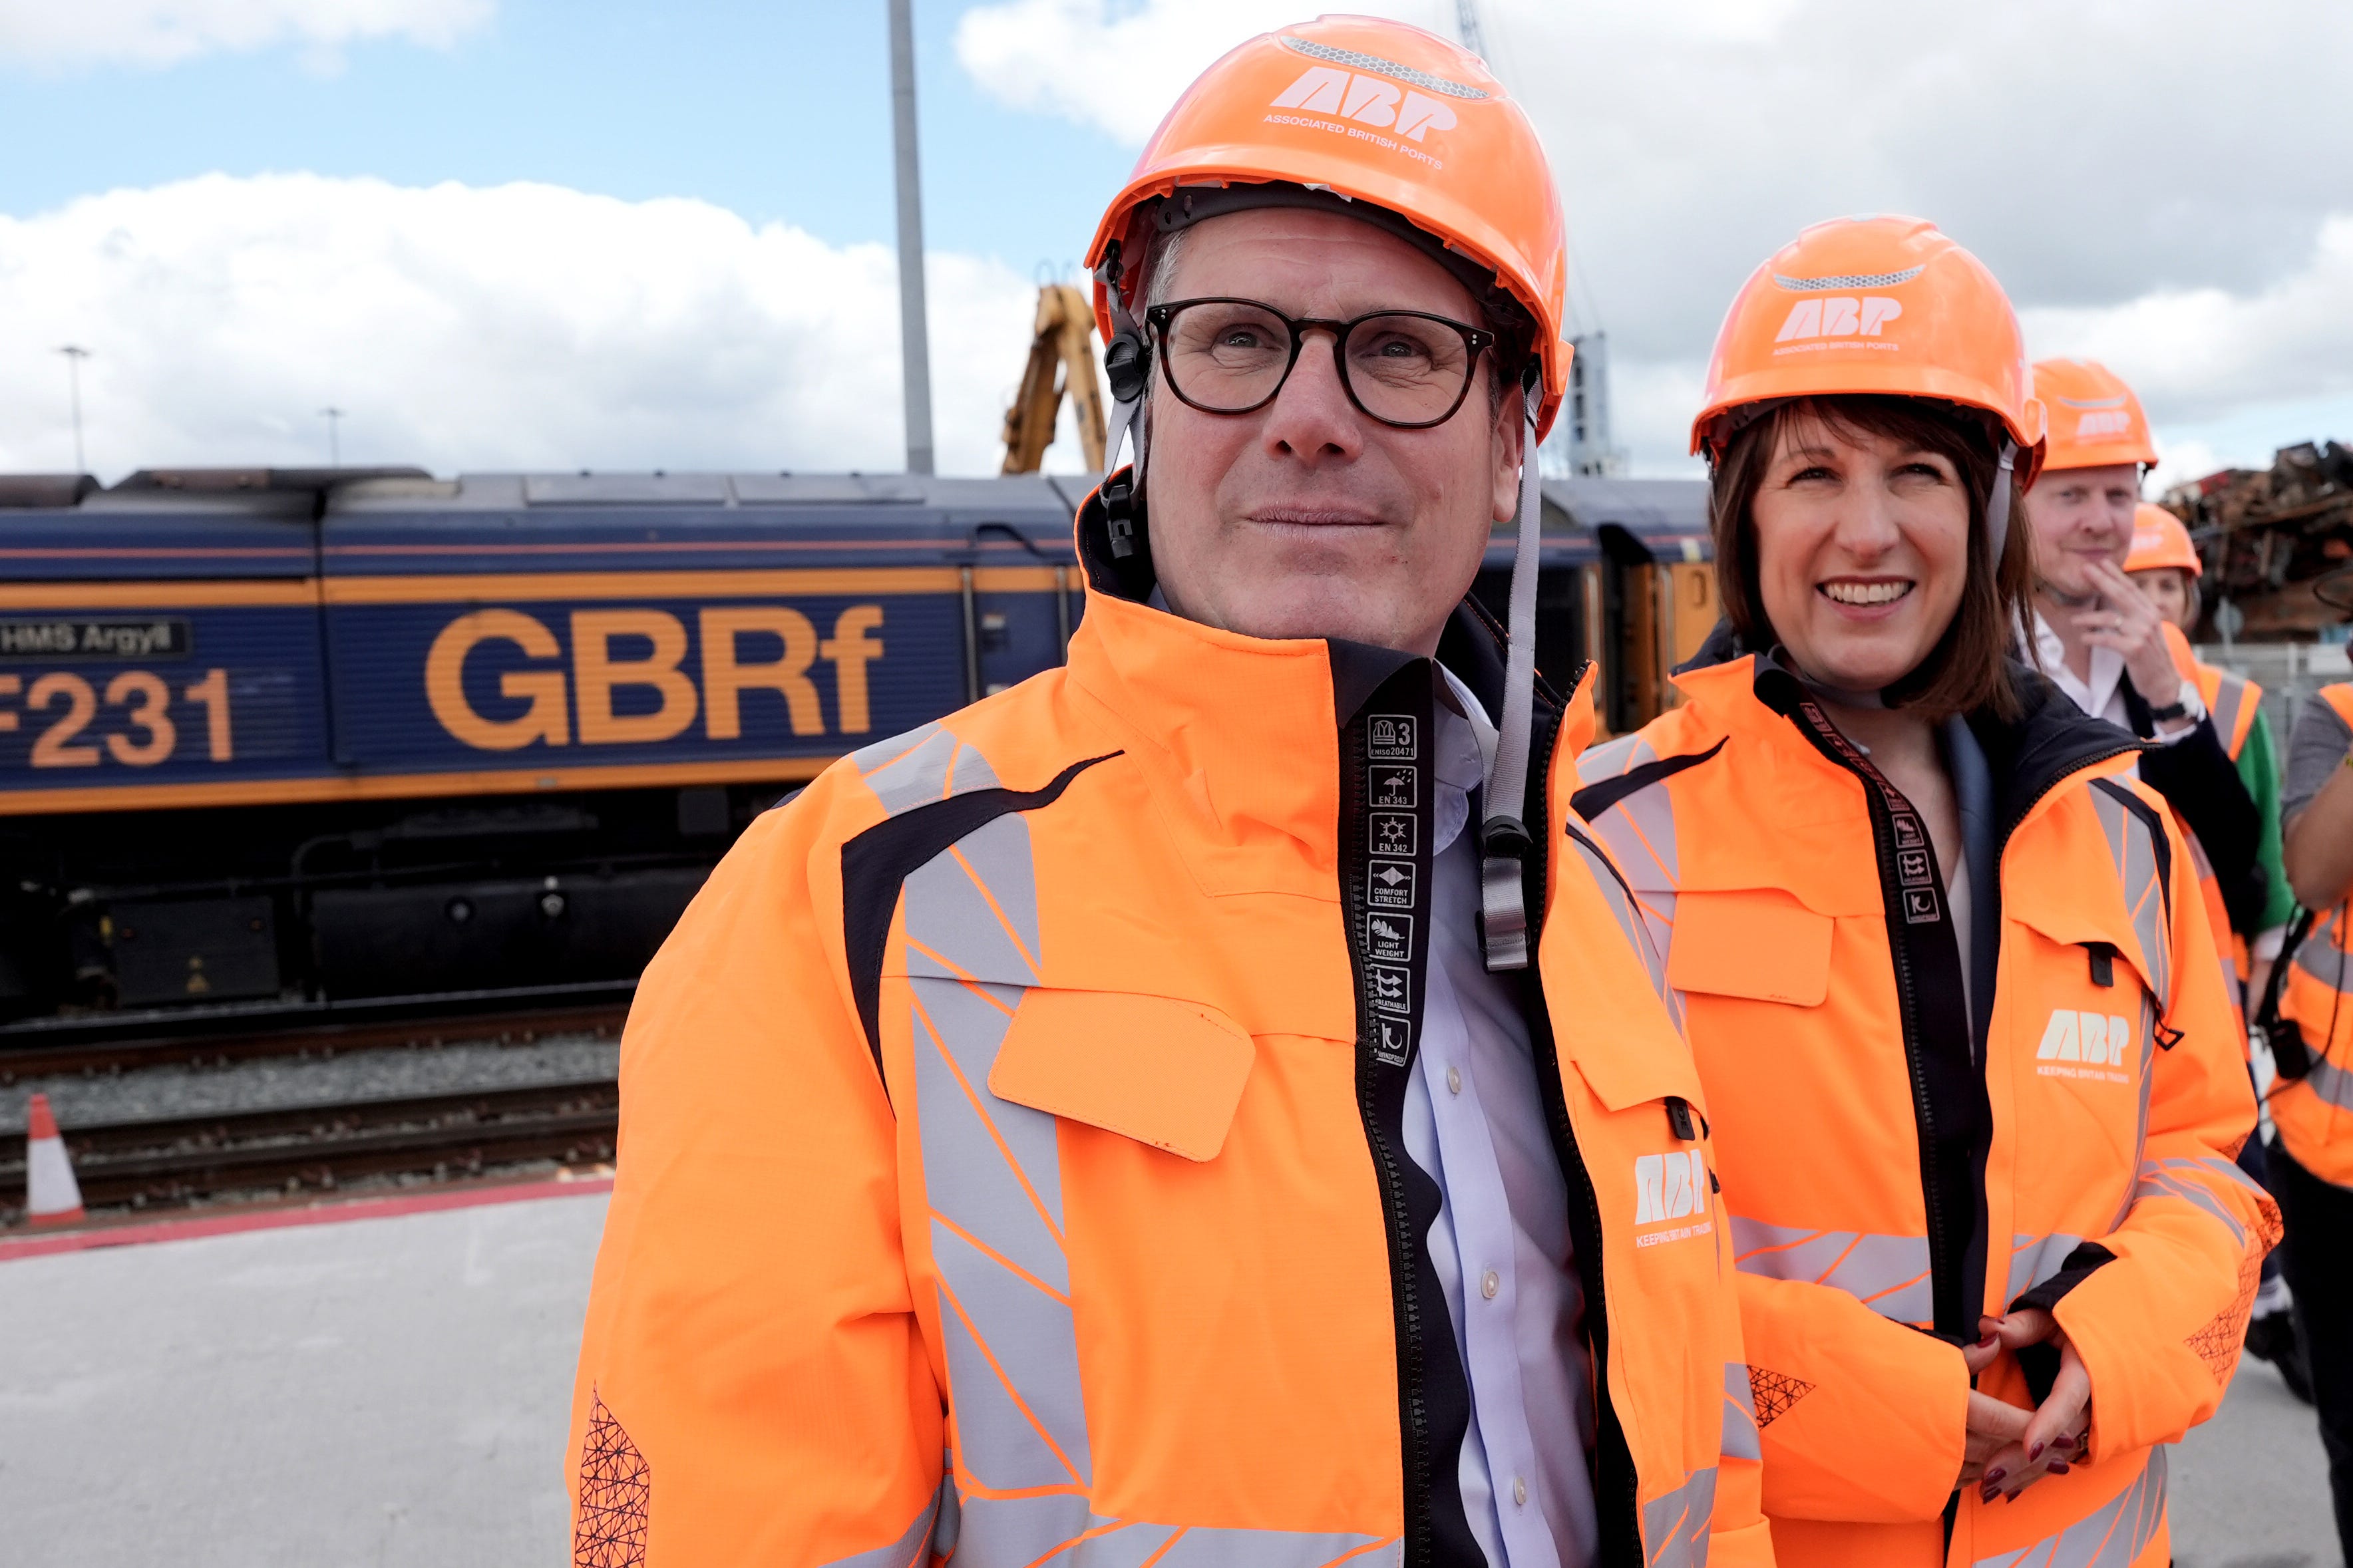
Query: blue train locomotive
x,y
272,740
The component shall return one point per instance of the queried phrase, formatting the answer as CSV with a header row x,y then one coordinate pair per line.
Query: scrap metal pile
x,y
2277,542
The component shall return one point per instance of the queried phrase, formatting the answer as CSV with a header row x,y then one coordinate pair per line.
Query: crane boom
x,y
1061,360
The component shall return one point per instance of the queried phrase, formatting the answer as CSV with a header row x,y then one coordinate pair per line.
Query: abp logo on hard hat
x,y
1823,316
2100,416
1371,99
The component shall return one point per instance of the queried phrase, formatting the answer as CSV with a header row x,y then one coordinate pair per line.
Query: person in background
x,y
2308,1016
1975,1079
2101,640
1205,1105
2164,565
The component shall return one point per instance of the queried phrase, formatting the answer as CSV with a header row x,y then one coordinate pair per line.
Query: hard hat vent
x,y
1364,62
1849,280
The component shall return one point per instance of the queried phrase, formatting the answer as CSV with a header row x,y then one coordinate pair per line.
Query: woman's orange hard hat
x,y
2160,539
1872,305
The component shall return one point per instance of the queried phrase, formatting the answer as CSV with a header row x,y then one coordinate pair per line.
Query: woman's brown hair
x,y
1968,669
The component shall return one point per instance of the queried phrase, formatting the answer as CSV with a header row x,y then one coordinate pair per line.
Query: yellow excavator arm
x,y
1062,359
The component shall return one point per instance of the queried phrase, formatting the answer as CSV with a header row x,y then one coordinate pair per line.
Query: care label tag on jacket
x,y
1384,838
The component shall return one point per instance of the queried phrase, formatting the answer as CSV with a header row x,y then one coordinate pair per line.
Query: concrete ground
x,y
381,1392
395,1392
2251,1486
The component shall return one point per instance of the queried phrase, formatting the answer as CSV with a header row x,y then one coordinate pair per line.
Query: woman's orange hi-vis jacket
x,y
1891,1173
1011,1163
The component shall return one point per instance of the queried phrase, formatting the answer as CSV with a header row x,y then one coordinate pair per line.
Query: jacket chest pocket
x,y
1163,1072
1758,944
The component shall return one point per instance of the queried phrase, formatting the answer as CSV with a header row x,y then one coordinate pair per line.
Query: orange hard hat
x,y
2096,420
1885,305
1375,112
2159,540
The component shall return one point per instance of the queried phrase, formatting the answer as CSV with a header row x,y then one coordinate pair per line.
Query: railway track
x,y
170,1159
425,1022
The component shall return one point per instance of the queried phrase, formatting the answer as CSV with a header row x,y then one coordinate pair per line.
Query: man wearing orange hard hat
x,y
1210,1104
2102,640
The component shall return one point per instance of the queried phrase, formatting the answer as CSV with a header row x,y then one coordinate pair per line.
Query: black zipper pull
x,y
1679,1118
2104,964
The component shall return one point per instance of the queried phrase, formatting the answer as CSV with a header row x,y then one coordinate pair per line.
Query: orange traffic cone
x,y
52,1196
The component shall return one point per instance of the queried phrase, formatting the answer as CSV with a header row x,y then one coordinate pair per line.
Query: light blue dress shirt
x,y
1474,1120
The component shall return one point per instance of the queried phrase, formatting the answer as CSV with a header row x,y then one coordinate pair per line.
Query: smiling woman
x,y
1843,500
2010,1257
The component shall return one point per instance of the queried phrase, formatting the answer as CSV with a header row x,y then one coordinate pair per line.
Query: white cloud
x,y
165,32
2161,178
520,326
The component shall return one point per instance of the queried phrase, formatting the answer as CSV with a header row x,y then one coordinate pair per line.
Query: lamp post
x,y
914,346
333,416
74,355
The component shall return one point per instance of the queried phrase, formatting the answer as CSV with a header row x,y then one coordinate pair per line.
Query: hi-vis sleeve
x,y
2160,1328
1876,1411
1738,1535
752,1385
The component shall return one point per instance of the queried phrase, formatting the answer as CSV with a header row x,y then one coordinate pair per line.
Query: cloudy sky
x,y
596,234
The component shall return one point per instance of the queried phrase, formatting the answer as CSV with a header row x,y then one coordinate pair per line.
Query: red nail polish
x,y
2056,1467
1993,1476
2036,1451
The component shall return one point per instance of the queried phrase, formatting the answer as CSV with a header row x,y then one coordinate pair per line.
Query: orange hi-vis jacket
x,y
2232,701
1011,1164
2314,1113
1893,1169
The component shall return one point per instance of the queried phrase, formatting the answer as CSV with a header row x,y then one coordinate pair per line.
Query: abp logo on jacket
x,y
2097,1041
1670,1186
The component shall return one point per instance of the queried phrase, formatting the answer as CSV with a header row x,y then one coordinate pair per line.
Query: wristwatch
x,y
2170,711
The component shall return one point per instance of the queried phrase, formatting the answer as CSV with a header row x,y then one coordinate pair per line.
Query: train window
x,y
1560,618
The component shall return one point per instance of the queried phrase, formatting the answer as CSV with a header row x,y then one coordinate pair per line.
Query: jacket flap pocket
x,y
1758,943
2072,925
1626,1068
1161,1071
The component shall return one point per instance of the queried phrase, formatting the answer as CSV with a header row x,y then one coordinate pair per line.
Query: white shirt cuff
x,y
2196,705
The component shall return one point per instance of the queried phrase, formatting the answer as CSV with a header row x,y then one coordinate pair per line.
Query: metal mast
x,y
75,353
915,339
1466,25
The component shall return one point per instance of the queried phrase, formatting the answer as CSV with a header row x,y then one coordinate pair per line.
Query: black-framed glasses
x,y
1405,368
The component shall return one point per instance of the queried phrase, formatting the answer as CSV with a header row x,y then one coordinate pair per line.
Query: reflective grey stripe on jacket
x,y
1888,1273
1024,1480
2137,856
2109,1537
1675,1523
1740,1440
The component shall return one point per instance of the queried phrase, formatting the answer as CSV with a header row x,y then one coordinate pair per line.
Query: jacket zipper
x,y
1413,1415
1953,1317
1617,1509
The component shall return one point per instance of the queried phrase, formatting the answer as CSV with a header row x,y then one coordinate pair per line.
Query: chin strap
x,y
1998,503
1505,840
1127,366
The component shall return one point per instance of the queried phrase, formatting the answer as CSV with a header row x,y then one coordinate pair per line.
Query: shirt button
x,y
1520,1491
1489,1283
1455,1080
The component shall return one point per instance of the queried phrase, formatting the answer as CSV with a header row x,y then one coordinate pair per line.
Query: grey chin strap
x,y
1998,503
1127,364
1504,841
